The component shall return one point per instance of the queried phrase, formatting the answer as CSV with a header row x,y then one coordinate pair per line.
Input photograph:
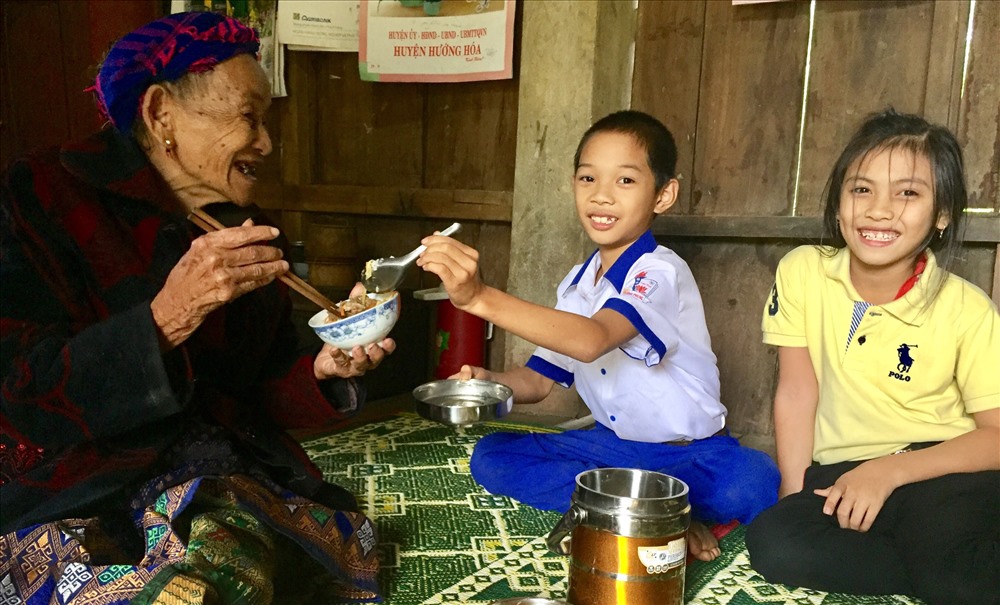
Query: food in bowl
x,y
365,321
351,306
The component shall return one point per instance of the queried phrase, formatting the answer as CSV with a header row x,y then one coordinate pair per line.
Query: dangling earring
x,y
169,145
941,233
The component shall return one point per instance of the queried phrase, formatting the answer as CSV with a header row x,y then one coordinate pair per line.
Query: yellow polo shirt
x,y
889,375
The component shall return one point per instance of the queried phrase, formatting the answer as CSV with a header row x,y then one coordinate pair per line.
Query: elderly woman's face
x,y
220,135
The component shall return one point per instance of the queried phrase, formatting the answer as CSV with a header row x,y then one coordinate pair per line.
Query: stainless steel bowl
x,y
463,402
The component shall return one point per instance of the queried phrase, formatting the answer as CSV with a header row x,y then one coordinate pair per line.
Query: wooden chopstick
x,y
208,223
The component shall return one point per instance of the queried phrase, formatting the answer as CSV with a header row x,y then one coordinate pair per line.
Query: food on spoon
x,y
369,269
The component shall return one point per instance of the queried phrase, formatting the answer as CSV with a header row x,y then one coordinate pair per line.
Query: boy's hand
x,y
456,264
859,494
472,372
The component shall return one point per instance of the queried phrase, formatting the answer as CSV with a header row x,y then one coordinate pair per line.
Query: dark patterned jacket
x,y
90,409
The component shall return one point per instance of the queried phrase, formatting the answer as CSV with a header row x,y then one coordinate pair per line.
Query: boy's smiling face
x,y
616,195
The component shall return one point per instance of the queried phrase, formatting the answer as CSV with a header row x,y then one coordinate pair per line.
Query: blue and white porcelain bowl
x,y
371,325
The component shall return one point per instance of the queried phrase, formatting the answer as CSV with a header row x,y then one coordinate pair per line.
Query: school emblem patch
x,y
642,287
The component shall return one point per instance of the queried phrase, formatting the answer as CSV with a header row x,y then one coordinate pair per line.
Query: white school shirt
x,y
663,384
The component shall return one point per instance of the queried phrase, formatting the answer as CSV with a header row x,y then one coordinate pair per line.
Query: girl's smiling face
x,y
615,192
886,211
219,134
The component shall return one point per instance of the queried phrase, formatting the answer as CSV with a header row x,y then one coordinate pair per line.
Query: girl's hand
x,y
456,264
472,372
218,268
333,362
859,494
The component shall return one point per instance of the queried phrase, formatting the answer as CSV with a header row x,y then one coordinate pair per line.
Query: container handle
x,y
559,540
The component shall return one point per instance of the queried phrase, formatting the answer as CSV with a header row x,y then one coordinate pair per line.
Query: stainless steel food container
x,y
463,402
626,534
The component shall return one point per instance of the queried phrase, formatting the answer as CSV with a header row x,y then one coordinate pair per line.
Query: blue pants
x,y
726,481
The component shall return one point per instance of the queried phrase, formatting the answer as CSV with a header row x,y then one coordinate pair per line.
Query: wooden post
x,y
575,68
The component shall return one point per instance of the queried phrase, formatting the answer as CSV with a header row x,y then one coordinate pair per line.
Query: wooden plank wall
x,y
758,128
50,51
729,82
404,151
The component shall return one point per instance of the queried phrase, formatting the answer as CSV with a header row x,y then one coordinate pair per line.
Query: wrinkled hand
x,y
456,264
472,372
218,268
858,495
333,362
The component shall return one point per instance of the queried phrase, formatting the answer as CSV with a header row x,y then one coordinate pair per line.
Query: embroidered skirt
x,y
209,540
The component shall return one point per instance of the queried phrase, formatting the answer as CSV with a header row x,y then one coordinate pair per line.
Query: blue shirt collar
x,y
619,271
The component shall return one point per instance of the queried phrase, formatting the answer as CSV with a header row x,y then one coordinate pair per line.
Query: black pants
x,y
938,540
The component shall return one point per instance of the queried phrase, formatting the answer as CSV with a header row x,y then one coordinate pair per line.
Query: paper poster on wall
x,y
319,26
436,40
258,14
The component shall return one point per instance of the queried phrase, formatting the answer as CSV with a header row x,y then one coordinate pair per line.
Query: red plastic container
x,y
460,340
459,337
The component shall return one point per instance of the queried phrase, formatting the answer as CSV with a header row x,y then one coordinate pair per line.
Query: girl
x,y
888,400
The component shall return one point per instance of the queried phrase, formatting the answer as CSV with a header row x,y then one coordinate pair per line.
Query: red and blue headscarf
x,y
163,51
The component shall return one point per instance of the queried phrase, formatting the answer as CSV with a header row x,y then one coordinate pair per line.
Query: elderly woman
x,y
149,369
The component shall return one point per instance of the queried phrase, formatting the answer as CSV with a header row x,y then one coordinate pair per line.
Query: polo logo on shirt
x,y
642,287
905,363
772,309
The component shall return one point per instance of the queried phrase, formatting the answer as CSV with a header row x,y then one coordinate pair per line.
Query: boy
x,y
639,352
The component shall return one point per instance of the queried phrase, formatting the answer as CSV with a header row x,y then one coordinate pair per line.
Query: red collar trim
x,y
912,281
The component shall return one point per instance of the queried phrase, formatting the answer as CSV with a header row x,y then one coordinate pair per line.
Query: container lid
x,y
640,492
